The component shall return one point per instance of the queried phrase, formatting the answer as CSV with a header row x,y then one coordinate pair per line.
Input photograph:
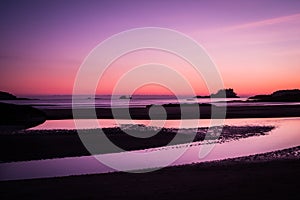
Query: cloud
x,y
267,22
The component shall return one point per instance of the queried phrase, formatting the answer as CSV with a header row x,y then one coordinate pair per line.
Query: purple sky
x,y
44,42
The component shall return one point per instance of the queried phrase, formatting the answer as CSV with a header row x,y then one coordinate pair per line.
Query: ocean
x,y
106,101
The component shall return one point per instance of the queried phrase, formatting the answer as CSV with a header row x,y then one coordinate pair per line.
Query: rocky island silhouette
x,y
222,93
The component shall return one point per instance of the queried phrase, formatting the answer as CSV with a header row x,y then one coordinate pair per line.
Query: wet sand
x,y
44,144
265,176
173,112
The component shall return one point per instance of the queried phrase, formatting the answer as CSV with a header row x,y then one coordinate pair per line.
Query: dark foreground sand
x,y
43,144
266,176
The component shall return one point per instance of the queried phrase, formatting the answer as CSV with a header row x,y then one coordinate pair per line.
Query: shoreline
x,y
173,112
273,174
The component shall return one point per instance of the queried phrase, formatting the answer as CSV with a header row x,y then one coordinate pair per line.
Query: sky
x,y
254,44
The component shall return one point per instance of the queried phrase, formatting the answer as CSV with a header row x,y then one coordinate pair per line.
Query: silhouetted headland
x,y
8,96
279,96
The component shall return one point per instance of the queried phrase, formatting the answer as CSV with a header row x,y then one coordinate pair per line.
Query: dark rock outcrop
x,y
222,93
7,96
125,97
15,117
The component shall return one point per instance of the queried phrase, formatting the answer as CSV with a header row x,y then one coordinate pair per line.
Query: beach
x,y
227,178
222,174
263,176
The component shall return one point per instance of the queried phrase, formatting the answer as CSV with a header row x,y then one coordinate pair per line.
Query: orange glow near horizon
x,y
174,67
255,52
